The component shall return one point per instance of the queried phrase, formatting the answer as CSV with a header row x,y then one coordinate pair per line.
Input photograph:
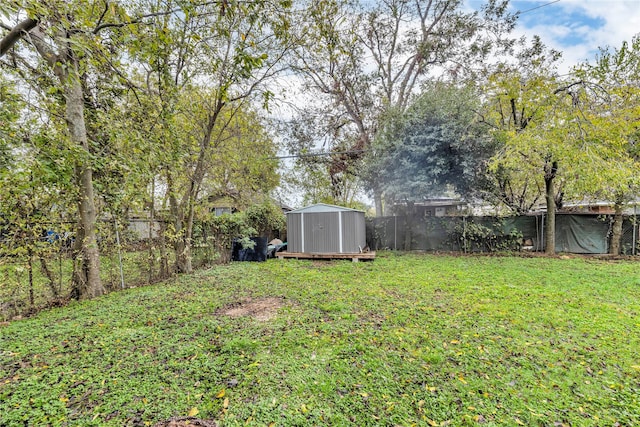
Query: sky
x,y
577,28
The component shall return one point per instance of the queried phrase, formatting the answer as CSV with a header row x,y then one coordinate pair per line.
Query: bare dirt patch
x,y
186,421
262,309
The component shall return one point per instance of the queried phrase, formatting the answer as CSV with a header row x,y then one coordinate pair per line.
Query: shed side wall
x,y
294,233
354,237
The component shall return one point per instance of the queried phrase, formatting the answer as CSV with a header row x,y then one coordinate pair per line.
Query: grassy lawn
x,y
405,340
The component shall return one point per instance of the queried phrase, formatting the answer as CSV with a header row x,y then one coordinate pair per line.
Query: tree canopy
x,y
363,62
437,147
143,95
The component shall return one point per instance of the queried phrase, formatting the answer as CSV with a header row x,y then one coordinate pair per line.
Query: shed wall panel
x,y
354,236
294,233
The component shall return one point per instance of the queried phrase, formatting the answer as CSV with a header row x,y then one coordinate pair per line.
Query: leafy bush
x,y
474,237
257,220
265,218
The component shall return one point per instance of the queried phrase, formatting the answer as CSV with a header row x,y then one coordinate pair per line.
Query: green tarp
x,y
581,234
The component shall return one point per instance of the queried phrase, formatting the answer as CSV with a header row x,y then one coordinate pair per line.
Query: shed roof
x,y
323,207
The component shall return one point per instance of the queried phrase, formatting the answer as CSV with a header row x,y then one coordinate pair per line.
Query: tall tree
x,y
232,46
580,130
235,48
76,44
367,61
607,107
439,146
243,166
515,98
62,34
526,113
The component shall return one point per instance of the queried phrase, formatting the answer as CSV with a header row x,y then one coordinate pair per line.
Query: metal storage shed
x,y
326,229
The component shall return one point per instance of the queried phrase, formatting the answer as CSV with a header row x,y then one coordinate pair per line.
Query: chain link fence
x,y
36,260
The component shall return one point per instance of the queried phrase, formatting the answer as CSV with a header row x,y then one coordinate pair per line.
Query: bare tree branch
x,y
16,33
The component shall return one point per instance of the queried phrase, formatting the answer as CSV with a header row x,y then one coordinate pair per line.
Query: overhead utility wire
x,y
328,153
537,7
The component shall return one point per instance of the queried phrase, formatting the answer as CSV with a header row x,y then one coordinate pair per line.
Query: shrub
x,y
257,220
474,237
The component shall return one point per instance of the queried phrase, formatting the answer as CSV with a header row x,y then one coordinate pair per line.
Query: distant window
x,y
222,211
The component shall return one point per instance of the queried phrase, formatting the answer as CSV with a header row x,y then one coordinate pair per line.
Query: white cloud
x,y
578,28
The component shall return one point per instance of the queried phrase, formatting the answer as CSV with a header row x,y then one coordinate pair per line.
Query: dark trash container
x,y
257,253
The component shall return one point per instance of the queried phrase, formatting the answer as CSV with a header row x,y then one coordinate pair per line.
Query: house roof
x,y
285,208
323,207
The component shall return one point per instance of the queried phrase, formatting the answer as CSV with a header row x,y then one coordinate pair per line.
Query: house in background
x,y
437,206
600,207
220,205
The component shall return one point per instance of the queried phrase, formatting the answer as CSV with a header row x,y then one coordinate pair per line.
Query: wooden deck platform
x,y
352,257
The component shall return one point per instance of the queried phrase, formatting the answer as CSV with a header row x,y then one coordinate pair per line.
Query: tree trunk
x,y
377,197
30,268
550,170
188,238
87,282
616,230
164,256
181,245
179,240
49,275
190,197
336,185
182,248
152,219
184,241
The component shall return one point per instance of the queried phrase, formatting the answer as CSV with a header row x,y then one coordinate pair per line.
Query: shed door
x,y
321,232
